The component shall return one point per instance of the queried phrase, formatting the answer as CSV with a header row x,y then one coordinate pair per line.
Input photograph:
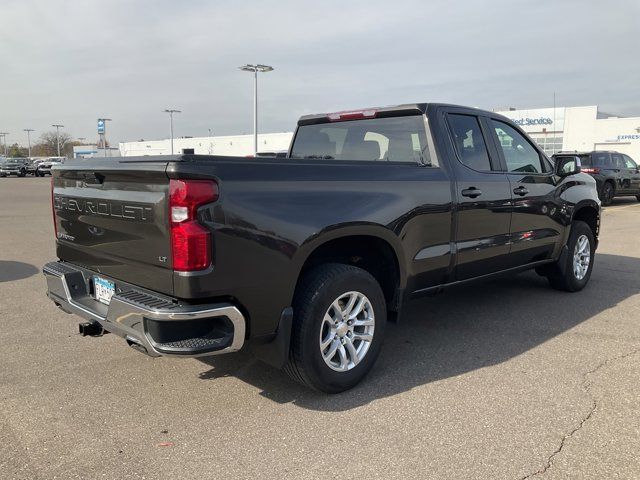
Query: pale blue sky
x,y
72,61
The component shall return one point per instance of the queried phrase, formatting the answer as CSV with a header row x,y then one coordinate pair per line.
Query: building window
x,y
551,143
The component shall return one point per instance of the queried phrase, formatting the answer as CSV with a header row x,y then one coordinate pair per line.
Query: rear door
x,y
113,219
484,199
534,230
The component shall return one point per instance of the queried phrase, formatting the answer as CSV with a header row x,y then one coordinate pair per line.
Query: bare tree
x,y
48,144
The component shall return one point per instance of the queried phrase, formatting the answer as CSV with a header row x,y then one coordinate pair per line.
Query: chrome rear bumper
x,y
148,321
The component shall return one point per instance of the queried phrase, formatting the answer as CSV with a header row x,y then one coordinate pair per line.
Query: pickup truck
x,y
13,166
302,259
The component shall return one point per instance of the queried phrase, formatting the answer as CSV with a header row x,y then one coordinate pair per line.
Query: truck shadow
x,y
460,331
10,270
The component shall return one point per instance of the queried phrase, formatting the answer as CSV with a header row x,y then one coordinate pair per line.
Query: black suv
x,y
616,174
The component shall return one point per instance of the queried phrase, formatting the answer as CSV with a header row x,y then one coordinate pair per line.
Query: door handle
x,y
471,192
520,191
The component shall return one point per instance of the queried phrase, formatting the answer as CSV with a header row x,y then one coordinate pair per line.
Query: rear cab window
x,y
387,139
469,142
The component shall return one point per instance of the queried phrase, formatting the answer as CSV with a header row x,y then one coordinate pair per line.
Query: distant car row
x,y
616,174
21,167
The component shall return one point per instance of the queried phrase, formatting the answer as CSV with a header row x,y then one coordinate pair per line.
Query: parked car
x,y
301,259
32,165
13,166
44,168
616,174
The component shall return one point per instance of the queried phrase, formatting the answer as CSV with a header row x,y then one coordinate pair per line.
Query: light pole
x,y
3,139
171,112
58,127
29,130
104,121
255,69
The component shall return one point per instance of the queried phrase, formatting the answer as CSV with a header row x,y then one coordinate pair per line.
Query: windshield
x,y
395,139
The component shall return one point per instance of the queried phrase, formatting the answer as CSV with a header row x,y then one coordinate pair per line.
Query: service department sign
x,y
538,119
100,126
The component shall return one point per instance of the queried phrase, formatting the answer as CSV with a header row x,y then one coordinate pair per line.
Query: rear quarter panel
x,y
273,213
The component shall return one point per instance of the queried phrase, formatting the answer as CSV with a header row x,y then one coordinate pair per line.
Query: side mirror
x,y
567,165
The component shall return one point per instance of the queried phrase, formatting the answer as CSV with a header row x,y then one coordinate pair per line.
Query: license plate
x,y
104,289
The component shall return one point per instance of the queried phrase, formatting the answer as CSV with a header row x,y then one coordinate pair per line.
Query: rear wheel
x,y
608,192
339,319
574,274
23,173
638,197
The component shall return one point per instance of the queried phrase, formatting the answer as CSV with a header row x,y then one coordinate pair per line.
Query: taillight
x,y
190,241
351,115
590,169
53,210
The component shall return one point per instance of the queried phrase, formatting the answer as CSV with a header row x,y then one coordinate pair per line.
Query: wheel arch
x,y
588,211
359,245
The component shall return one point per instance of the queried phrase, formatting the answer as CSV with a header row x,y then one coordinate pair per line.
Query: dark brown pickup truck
x,y
302,259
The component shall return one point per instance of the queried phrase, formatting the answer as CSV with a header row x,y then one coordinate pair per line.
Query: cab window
x,y
519,154
617,161
469,141
629,162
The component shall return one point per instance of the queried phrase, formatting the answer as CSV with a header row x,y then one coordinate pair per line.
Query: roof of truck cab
x,y
391,111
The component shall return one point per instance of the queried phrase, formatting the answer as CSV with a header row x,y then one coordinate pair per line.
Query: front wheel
x,y
22,173
339,321
574,274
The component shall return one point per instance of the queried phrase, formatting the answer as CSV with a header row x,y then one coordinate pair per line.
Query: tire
x,y
320,289
638,197
565,277
607,194
22,173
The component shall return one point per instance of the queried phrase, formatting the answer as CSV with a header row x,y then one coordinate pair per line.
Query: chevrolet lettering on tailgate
x,y
105,208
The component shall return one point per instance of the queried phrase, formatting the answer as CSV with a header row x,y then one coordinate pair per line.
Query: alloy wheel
x,y
347,331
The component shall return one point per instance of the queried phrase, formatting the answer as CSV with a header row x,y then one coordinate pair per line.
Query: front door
x,y
634,174
535,229
624,174
484,199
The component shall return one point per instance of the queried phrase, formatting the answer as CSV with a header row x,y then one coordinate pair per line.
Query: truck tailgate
x,y
111,217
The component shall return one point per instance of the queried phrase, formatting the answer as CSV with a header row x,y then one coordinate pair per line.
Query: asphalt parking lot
x,y
508,379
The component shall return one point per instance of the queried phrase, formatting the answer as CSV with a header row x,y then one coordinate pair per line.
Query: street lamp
x,y
171,112
104,133
3,139
29,130
255,69
58,127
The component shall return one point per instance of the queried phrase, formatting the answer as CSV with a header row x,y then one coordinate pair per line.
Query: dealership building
x,y
234,145
581,129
